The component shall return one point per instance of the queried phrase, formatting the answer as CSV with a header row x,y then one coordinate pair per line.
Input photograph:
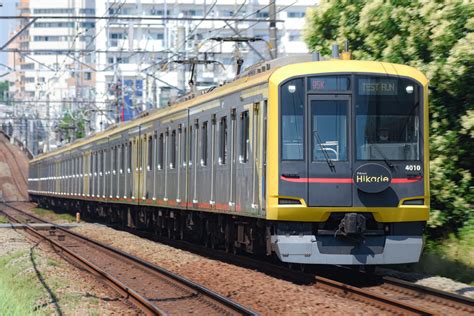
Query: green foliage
x,y
3,90
53,216
72,127
20,291
3,219
436,37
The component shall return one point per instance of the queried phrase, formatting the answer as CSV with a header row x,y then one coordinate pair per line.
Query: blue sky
x,y
6,26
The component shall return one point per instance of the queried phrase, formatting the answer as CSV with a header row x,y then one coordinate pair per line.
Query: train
x,y
303,160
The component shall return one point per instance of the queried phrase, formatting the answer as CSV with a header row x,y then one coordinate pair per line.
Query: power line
x,y
131,18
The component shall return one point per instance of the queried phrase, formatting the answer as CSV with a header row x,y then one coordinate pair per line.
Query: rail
x,y
199,294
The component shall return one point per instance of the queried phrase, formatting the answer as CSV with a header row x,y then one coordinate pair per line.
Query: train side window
x,y
204,144
244,137
115,158
96,171
150,153
122,158
129,158
183,147
160,152
223,140
101,162
155,149
190,157
173,150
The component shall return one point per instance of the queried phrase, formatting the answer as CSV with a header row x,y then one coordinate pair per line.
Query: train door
x,y
245,159
182,165
135,168
329,159
86,173
142,168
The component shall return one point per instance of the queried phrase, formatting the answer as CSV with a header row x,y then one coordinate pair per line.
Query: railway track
x,y
152,289
386,293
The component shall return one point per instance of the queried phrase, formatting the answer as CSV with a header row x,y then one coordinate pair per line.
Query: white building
x,y
137,68
99,67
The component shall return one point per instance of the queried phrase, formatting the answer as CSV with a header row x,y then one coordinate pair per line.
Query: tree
x,y
70,128
436,37
4,91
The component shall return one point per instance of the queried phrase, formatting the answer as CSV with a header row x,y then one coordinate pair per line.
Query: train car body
x,y
318,162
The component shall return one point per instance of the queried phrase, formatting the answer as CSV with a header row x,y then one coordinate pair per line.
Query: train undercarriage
x,y
219,231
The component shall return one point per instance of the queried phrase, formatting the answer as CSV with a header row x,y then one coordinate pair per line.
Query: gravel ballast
x,y
265,294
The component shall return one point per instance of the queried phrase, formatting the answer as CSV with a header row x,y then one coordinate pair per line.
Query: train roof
x,y
274,72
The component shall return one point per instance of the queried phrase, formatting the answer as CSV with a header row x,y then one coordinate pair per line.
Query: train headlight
x,y
409,89
291,88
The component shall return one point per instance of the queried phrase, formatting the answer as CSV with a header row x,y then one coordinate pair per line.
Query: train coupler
x,y
352,224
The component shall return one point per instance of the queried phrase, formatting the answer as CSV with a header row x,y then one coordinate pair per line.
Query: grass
x,y
3,219
452,257
20,291
48,214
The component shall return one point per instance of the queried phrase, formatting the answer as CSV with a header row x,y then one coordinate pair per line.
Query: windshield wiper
x,y
329,161
388,162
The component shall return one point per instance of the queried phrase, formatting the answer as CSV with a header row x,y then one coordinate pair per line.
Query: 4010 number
x,y
413,168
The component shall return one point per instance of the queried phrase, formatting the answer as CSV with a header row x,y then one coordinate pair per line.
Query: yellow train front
x,y
348,174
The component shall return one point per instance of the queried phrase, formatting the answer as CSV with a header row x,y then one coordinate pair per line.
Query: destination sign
x,y
329,83
379,86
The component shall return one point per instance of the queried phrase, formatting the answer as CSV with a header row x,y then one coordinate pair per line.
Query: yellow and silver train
x,y
318,162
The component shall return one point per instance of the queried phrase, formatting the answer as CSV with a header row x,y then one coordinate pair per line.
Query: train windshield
x,y
387,118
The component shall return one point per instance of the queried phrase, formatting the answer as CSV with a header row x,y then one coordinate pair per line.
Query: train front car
x,y
350,182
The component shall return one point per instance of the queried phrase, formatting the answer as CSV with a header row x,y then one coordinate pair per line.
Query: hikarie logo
x,y
372,178
363,177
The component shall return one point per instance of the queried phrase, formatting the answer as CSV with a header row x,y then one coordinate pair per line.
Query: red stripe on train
x,y
343,180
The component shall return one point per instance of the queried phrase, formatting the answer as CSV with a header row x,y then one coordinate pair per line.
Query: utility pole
x,y
273,30
154,92
47,123
182,67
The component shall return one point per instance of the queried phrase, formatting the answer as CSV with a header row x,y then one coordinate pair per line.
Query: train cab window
x,y
204,144
244,137
329,129
292,120
160,152
387,118
172,155
150,153
223,140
